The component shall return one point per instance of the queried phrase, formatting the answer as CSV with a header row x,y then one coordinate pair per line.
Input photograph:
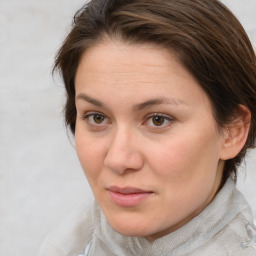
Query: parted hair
x,y
206,37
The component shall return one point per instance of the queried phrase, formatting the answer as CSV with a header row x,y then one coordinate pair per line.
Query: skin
x,y
120,89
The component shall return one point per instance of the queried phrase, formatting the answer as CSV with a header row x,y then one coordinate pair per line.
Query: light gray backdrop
x,y
41,181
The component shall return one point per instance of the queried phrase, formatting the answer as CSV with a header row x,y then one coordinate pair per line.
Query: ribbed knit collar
x,y
194,234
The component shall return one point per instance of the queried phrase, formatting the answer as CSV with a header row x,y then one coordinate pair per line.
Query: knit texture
x,y
221,229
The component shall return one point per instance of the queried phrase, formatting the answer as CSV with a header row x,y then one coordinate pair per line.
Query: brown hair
x,y
207,38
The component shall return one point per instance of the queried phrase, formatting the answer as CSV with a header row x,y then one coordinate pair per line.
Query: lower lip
x,y
128,200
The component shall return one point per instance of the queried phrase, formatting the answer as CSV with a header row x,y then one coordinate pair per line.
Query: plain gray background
x,y
41,181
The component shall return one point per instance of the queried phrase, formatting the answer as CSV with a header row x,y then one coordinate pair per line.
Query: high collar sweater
x,y
225,227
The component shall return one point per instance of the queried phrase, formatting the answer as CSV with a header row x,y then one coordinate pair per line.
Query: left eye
x,y
96,119
158,121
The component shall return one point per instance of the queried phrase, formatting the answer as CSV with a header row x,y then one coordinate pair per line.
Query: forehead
x,y
122,57
127,70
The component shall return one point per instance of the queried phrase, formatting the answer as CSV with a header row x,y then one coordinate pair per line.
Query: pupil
x,y
98,119
158,120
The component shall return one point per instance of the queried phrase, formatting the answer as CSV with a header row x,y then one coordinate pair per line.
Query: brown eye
x,y
95,119
98,119
158,120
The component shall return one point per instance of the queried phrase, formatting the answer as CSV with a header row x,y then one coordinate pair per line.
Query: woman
x,y
161,101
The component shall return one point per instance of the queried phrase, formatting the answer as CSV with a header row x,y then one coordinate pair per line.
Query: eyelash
x,y
149,117
165,118
93,114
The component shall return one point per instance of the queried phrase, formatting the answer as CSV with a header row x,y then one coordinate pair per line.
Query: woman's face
x,y
146,138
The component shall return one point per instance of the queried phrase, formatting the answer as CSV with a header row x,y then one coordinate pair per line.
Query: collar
x,y
225,207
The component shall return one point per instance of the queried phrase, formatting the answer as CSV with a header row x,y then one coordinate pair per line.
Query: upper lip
x,y
127,190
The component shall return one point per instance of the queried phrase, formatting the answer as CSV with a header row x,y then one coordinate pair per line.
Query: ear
x,y
236,133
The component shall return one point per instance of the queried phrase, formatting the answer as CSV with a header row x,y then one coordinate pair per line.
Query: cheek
x,y
90,154
169,161
186,171
185,158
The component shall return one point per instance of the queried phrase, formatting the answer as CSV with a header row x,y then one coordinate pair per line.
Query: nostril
x,y
123,153
122,162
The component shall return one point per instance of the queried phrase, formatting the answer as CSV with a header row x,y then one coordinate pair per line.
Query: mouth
x,y
128,196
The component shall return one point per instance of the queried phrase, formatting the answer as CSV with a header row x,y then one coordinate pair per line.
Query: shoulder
x,y
71,236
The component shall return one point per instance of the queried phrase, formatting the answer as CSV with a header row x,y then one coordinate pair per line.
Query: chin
x,y
130,226
131,231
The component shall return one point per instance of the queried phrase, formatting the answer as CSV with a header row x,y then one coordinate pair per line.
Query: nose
x,y
123,154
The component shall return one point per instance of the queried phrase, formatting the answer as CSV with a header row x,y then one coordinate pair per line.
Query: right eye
x,y
95,119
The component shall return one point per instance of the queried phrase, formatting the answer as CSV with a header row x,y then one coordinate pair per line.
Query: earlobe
x,y
236,133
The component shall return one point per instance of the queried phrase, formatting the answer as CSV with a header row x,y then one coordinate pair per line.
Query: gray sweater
x,y
225,227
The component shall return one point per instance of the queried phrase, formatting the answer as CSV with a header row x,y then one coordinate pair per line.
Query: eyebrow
x,y
91,100
157,101
137,107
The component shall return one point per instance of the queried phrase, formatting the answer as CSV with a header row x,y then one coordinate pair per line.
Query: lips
x,y
128,196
